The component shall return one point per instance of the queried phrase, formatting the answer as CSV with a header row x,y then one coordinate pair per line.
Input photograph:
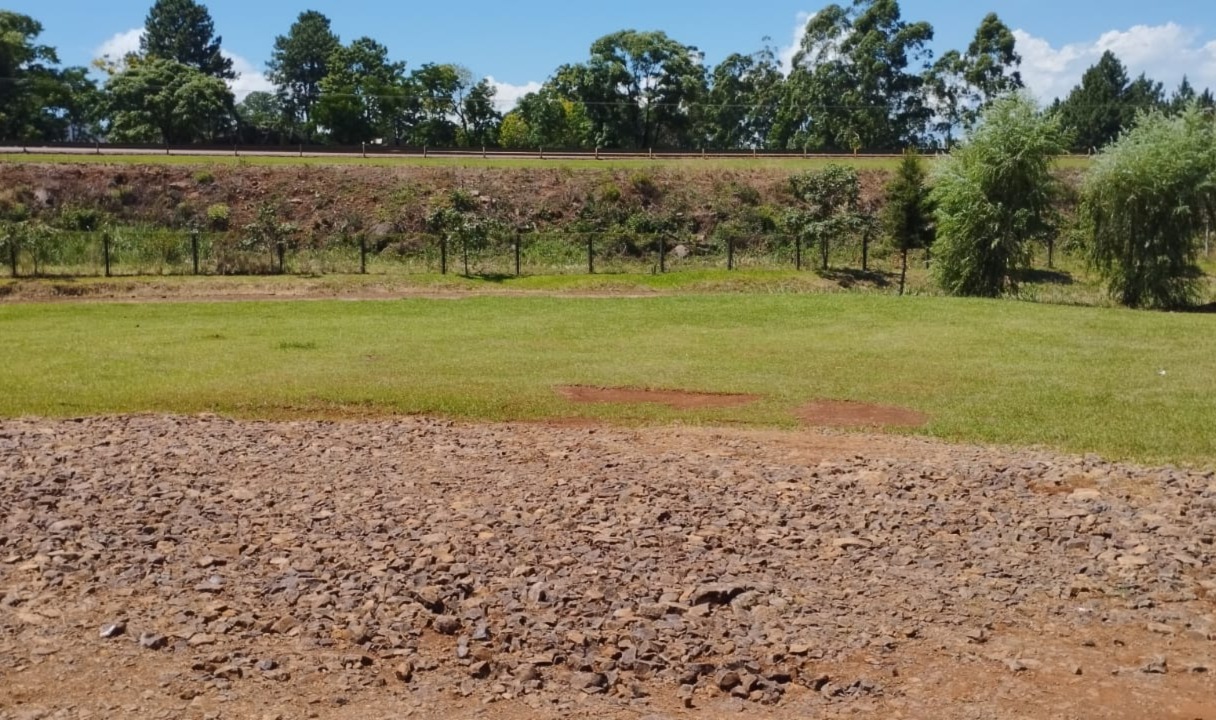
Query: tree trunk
x,y
903,271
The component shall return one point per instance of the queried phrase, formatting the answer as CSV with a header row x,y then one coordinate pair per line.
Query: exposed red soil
x,y
676,399
837,413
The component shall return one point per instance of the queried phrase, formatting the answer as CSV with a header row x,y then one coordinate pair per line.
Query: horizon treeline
x,y
862,79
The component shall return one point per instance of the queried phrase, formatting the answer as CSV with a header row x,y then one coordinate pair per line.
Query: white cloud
x,y
507,95
120,45
249,78
1164,52
787,52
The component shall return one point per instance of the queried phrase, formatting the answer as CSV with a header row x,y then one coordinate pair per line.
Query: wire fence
x,y
143,252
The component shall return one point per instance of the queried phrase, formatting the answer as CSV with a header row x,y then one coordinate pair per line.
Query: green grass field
x,y
1124,384
780,164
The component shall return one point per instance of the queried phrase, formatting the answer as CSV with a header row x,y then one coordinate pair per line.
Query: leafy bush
x,y
81,219
829,206
994,195
645,186
218,217
1144,206
204,177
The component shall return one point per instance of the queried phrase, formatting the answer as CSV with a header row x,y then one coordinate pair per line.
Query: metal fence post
x,y
12,253
662,253
798,252
362,254
590,254
194,250
443,254
730,253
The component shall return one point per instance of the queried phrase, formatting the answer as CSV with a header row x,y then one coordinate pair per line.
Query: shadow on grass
x,y
1040,276
1210,308
848,277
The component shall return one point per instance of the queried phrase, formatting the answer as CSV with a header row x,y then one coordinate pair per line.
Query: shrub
x,y
610,193
645,186
81,219
994,195
204,177
218,216
1144,206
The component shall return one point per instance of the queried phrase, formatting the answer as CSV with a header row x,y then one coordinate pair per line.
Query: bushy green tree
x,y
39,101
907,217
995,195
829,206
164,101
363,94
1104,103
963,84
1146,203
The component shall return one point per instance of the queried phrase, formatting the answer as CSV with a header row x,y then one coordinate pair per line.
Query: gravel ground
x,y
200,567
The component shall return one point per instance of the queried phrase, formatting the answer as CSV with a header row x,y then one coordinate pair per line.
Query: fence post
x,y
105,250
464,251
483,152
364,151
301,149
798,252
98,147
12,253
662,253
590,254
362,254
424,151
865,251
542,152
281,249
730,253
194,250
518,237
443,254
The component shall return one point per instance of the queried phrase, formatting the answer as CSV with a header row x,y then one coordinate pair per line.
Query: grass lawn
x,y
608,163
1074,378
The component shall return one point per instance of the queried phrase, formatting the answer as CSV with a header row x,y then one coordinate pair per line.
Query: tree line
x,y
863,78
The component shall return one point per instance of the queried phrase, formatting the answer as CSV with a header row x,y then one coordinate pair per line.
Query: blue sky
x,y
518,42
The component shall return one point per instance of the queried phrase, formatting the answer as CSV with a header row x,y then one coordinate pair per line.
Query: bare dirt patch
x,y
838,413
675,399
155,567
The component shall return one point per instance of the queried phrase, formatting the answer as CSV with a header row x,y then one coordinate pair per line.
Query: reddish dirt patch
x,y
676,399
837,413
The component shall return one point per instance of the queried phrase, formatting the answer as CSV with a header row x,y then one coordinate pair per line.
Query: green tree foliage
x,y
857,80
743,100
994,195
182,31
363,95
37,100
963,84
1145,204
907,217
261,118
640,90
298,64
546,119
164,101
830,206
514,132
479,118
1104,103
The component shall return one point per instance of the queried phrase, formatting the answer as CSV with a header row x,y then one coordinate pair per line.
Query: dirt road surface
x,y
164,567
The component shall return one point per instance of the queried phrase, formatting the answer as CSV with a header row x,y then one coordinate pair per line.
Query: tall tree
x,y
1105,102
964,84
994,195
857,80
641,89
298,64
479,117
39,101
164,101
260,117
743,100
182,31
362,95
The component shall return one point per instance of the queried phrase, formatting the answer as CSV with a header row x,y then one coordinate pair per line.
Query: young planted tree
x,y
830,202
994,196
1145,206
907,217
